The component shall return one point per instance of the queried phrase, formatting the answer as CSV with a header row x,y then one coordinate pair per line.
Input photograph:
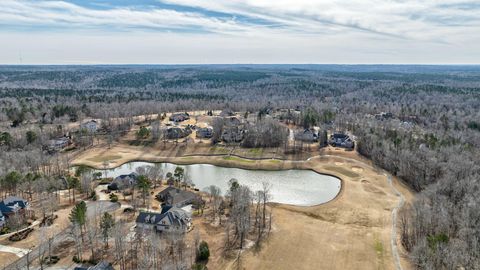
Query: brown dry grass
x,y
351,232
6,258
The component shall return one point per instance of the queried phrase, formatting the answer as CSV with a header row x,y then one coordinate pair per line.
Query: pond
x,y
295,187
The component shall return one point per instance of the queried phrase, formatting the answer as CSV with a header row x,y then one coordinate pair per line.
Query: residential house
x,y
123,181
383,115
179,117
232,134
89,126
58,144
10,206
341,140
307,135
233,131
204,133
177,133
177,197
169,219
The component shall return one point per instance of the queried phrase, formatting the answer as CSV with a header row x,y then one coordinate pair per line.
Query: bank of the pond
x,y
299,187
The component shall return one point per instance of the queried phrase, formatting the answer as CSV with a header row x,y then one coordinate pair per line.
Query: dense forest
x,y
428,136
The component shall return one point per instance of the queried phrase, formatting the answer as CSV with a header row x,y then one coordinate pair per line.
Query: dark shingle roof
x,y
7,205
176,196
123,181
176,216
340,136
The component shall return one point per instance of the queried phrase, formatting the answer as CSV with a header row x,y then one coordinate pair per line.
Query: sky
x,y
239,32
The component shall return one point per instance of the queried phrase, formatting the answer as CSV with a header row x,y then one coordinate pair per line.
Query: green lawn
x,y
231,158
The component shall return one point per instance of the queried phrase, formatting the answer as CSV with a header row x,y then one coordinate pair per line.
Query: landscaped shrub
x,y
20,235
203,252
93,195
51,260
4,230
113,197
48,220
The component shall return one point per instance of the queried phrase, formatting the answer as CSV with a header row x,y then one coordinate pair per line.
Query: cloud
x,y
59,14
383,17
253,30
401,19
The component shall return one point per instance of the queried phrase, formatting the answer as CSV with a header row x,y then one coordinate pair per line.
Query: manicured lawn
x,y
238,159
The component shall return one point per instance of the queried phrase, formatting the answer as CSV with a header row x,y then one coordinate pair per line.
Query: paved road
x,y
93,207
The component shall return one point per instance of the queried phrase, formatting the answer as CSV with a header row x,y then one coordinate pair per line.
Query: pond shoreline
x,y
238,162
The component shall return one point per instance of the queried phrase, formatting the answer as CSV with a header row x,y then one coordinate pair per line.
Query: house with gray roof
x,y
89,126
169,219
307,135
204,133
123,181
177,197
178,133
58,143
179,117
341,140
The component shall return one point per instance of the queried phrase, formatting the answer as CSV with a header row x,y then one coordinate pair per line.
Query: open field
x,y
353,231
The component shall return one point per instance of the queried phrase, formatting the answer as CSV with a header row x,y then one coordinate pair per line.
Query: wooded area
x,y
431,140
